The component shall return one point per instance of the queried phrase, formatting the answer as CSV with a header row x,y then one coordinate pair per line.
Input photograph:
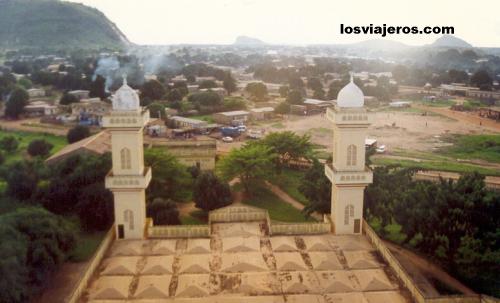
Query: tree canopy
x,y
78,133
251,163
210,193
17,101
257,90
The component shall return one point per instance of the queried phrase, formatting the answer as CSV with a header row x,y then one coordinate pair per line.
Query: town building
x,y
198,151
79,94
347,172
314,106
97,144
262,113
90,111
40,108
237,117
218,90
36,92
187,123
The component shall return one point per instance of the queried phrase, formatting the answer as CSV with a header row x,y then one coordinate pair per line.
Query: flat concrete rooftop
x,y
245,266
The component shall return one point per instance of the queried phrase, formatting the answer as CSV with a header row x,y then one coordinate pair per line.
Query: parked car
x,y
380,149
227,139
242,128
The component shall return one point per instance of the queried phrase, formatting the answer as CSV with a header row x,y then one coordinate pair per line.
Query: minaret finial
x,y
352,78
124,76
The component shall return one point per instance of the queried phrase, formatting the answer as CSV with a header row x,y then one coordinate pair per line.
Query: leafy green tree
x,y
157,110
234,103
295,97
77,133
95,207
43,242
481,79
335,88
296,83
13,265
17,101
21,181
283,90
287,146
283,108
9,144
207,84
174,95
170,178
319,94
211,193
163,212
314,84
25,83
317,189
229,83
152,90
205,99
257,90
69,178
39,147
250,163
98,88
67,99
400,73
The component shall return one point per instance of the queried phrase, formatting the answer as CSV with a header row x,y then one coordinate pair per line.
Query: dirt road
x,y
469,118
419,265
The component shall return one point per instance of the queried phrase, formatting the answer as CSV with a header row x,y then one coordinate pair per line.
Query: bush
x,y
95,207
39,147
17,101
67,99
9,144
163,212
210,193
34,242
77,133
21,181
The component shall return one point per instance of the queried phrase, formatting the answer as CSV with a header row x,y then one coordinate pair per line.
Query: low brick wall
x,y
299,228
393,263
91,268
179,231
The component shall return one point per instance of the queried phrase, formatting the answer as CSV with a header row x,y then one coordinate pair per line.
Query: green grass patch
x,y
483,147
86,246
451,166
196,217
207,118
278,209
278,125
438,103
289,181
25,138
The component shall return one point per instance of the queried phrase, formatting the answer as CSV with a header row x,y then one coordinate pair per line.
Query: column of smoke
x,y
106,68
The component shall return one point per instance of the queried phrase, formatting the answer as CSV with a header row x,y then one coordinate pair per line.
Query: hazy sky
x,y
296,21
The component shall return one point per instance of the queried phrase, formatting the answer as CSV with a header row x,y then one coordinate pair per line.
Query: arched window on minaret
x,y
348,213
125,158
351,155
128,217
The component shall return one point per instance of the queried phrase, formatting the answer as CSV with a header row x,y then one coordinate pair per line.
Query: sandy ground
x,y
62,283
403,130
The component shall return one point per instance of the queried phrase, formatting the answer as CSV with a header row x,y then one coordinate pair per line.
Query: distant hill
x,y
451,41
55,24
244,40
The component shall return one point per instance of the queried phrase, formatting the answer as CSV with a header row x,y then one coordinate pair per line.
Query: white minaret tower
x,y
348,173
128,178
